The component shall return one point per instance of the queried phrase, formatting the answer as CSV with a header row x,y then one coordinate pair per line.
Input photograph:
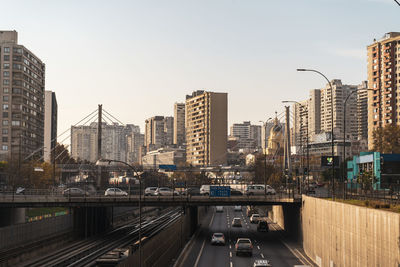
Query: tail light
x,y
236,246
251,246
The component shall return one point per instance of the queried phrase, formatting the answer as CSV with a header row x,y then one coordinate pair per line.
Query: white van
x,y
259,190
205,190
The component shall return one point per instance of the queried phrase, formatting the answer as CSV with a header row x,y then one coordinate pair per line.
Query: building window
x,y
6,57
6,74
5,131
5,98
4,139
6,82
16,123
4,147
5,90
5,122
5,106
6,50
5,114
6,66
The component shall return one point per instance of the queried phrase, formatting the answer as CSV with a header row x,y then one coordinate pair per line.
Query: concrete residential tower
x,y
206,128
50,123
22,99
179,124
383,77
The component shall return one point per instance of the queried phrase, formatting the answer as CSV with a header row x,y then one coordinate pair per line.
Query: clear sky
x,y
139,57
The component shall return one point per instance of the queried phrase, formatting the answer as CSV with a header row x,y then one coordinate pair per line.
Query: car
x,y
262,226
262,263
238,208
255,218
243,246
191,191
165,191
250,211
115,192
205,190
236,222
218,239
74,192
235,192
252,190
150,191
219,209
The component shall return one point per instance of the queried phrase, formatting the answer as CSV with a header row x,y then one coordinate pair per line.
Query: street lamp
x,y
301,142
344,132
265,155
332,137
104,162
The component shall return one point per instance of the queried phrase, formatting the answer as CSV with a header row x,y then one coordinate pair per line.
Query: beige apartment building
x,y
22,88
384,79
179,124
206,128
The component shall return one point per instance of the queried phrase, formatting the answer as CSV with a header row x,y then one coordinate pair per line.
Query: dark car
x,y
235,192
262,226
244,246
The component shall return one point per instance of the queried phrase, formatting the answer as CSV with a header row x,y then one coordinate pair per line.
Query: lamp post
x,y
332,137
265,156
344,133
301,142
107,162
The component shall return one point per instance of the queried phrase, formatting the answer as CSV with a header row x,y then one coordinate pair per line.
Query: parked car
x,y
115,192
219,209
255,218
74,192
262,263
238,208
259,190
244,246
165,191
262,226
218,239
236,222
150,191
205,190
191,191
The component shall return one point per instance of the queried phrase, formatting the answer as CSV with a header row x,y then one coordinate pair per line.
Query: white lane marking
x,y
262,255
231,264
258,247
230,254
212,219
230,246
201,251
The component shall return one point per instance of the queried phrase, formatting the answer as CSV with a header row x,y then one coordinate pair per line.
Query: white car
x,y
219,209
150,191
165,191
259,190
205,190
255,218
218,239
115,192
238,208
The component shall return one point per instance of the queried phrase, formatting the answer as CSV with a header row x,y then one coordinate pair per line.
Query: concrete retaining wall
x,y
21,234
288,218
337,234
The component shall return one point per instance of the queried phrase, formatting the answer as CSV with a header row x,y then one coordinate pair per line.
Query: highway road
x,y
266,245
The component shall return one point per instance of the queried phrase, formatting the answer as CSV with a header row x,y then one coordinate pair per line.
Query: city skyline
x,y
180,47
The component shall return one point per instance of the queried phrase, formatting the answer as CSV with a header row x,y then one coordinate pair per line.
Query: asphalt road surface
x,y
266,245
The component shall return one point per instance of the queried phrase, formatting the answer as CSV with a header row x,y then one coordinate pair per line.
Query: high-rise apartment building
x,y
314,112
248,136
179,124
384,79
113,144
362,111
300,124
50,123
206,128
22,86
134,142
159,132
255,134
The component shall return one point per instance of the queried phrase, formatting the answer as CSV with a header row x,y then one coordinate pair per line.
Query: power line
x,y
397,2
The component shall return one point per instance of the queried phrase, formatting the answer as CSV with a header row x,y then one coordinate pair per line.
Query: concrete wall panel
x,y
338,234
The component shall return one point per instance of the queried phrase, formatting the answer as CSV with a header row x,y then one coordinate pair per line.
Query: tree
x,y
387,139
62,155
366,180
272,172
